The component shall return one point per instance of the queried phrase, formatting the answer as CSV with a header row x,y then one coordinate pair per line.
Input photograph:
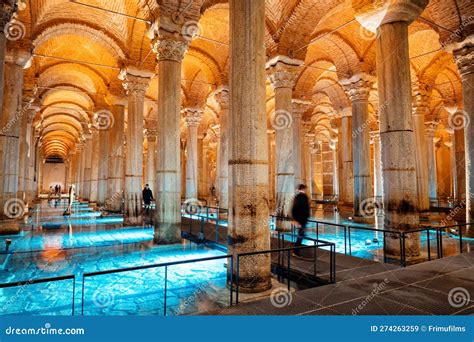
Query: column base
x,y
252,284
363,219
167,233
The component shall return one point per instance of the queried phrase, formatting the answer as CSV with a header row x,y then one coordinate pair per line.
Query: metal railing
x,y
206,216
46,280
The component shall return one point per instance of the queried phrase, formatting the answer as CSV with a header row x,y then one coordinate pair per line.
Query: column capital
x,y
372,14
464,57
135,81
299,107
193,116
169,49
282,71
18,57
421,98
358,86
430,128
222,96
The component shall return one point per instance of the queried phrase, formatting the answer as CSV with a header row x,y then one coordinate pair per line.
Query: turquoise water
x,y
51,245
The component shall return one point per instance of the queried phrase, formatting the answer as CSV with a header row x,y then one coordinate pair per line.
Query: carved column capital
x,y
282,71
358,87
464,59
168,49
193,116
135,81
222,96
299,107
430,128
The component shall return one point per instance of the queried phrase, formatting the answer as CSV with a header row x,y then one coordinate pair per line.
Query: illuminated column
x,y
87,168
25,135
7,9
358,89
430,129
378,181
464,57
193,118
347,193
95,164
282,72
299,107
391,19
222,97
170,52
248,184
115,167
203,168
103,169
13,112
136,83
150,173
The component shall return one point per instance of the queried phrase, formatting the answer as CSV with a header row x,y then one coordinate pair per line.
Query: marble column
x,y
308,140
96,161
222,97
420,109
203,184
115,167
26,121
248,184
347,193
396,128
460,165
86,190
13,112
464,57
271,168
358,88
136,83
170,52
430,129
7,9
193,118
299,107
282,73
103,167
150,173
30,175
378,180
80,171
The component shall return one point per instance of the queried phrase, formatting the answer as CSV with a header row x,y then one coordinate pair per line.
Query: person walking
x,y
300,212
147,198
72,195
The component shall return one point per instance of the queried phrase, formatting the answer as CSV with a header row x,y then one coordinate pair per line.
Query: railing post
x,y
345,240
166,289
237,280
349,234
231,279
289,269
384,247
73,294
82,298
460,238
428,244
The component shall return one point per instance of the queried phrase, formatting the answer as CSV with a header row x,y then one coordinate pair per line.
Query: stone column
x,y
86,192
282,72
420,109
150,157
248,184
135,82
30,177
299,107
347,193
460,164
430,129
193,118
222,97
96,161
80,169
396,127
26,121
115,167
358,89
202,167
7,9
378,180
308,140
13,112
464,57
271,168
167,219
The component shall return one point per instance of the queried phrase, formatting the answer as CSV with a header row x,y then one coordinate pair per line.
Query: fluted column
x,y
170,52
86,190
7,9
378,180
282,72
25,143
248,184
115,167
430,129
222,97
299,107
13,112
136,83
464,57
80,167
150,174
358,89
193,118
30,171
396,127
203,168
347,193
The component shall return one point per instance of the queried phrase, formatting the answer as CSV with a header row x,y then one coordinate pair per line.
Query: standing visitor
x,y
300,212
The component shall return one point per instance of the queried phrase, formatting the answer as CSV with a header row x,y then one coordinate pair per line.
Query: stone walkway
x,y
439,287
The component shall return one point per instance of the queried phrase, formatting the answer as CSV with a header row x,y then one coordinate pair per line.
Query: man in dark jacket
x,y
300,213
147,197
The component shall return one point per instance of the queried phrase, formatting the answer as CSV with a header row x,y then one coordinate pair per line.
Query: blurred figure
x,y
147,198
72,196
300,213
